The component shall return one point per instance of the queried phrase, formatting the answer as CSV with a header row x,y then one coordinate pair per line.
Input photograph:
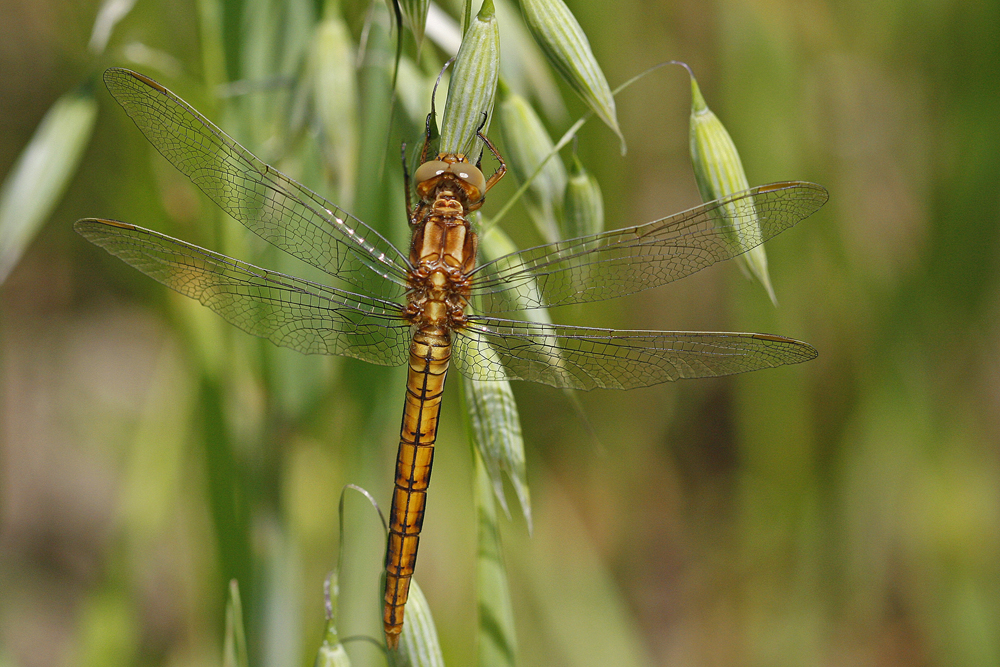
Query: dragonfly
x,y
416,308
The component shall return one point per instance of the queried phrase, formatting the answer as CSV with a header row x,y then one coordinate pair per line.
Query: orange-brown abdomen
x,y
429,357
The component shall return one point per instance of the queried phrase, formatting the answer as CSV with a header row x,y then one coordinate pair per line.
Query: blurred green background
x,y
841,512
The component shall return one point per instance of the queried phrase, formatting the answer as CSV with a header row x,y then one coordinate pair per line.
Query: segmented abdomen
x,y
430,352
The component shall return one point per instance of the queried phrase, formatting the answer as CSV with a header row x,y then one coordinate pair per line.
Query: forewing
x,y
624,261
585,358
288,311
270,204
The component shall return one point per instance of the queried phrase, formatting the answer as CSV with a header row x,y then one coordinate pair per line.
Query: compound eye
x,y
469,174
429,170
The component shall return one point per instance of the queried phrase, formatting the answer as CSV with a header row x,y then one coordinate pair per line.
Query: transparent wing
x,y
585,358
270,204
288,311
624,261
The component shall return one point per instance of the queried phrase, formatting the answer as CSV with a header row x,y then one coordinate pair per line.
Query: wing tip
x,y
803,351
112,74
89,223
820,192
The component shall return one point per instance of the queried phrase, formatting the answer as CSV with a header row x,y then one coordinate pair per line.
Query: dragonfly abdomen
x,y
430,353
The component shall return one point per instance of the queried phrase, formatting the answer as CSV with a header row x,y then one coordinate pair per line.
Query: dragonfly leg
x,y
406,185
502,169
430,124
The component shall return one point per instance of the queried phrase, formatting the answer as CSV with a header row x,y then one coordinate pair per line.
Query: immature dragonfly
x,y
414,309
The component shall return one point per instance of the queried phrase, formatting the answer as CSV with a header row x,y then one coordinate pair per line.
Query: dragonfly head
x,y
453,169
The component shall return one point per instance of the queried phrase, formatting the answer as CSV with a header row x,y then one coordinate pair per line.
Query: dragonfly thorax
x,y
442,252
437,299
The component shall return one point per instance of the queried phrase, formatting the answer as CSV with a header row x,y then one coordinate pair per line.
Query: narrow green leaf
x,y
235,647
564,43
418,644
497,637
38,179
528,146
584,206
719,173
472,89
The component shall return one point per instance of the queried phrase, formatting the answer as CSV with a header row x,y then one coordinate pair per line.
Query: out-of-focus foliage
x,y
840,512
40,176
